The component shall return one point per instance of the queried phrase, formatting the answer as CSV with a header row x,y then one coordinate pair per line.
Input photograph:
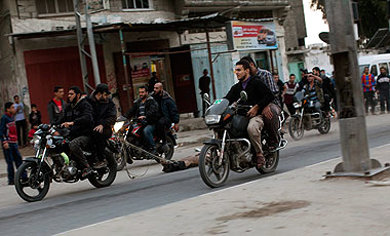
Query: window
x,y
135,4
54,6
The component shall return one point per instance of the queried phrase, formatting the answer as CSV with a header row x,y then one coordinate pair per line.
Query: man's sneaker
x,y
87,171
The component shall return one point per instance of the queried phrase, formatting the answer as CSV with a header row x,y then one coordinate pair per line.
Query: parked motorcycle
x,y
307,118
51,162
230,149
128,136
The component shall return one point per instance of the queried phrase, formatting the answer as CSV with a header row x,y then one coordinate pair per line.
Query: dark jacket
x,y
204,84
81,114
258,93
35,119
327,86
151,110
104,113
383,83
168,107
55,115
8,132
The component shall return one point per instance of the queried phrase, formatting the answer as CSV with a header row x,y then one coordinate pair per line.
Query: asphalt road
x,y
70,206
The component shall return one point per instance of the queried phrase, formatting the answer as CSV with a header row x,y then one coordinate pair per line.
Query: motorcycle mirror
x,y
243,96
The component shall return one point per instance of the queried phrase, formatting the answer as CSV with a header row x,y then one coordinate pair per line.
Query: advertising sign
x,y
253,35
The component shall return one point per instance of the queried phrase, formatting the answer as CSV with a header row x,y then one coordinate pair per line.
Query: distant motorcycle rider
x,y
79,119
104,116
314,91
168,110
145,108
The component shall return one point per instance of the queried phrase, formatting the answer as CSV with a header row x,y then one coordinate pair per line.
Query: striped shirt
x,y
267,78
368,80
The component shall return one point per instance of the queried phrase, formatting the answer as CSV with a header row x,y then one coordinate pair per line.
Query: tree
x,y
372,15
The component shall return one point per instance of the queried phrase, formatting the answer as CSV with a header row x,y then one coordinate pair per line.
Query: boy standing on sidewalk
x,y
9,141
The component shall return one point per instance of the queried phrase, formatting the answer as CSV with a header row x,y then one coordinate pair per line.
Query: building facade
x,y
39,46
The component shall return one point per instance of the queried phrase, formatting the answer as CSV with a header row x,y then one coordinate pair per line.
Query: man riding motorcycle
x,y
78,118
314,91
168,110
104,116
145,108
259,96
272,111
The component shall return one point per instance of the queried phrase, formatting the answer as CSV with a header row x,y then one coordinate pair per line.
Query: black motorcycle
x,y
51,162
230,149
307,117
128,136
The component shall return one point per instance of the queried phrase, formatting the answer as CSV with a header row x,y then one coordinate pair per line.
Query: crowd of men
x,y
86,118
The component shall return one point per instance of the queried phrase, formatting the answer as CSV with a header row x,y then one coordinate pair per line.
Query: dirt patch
x,y
267,210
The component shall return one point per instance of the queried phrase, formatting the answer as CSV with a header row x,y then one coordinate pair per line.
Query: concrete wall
x,y
295,24
318,56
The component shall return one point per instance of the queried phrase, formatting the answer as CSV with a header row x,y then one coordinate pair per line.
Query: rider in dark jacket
x,y
104,115
78,118
168,110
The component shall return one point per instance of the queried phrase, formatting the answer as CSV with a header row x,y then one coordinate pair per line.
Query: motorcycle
x,y
230,148
129,138
307,117
51,162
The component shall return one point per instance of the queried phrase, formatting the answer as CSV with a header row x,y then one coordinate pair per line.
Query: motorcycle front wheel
x,y
120,160
104,176
296,131
213,174
31,185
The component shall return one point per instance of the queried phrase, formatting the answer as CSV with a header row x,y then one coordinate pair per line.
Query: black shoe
x,y
87,171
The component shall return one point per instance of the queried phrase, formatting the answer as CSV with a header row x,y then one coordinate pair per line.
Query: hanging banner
x,y
252,35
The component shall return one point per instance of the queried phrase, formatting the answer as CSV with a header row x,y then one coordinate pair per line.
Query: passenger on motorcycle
x,y
79,120
145,108
273,110
314,91
259,96
168,110
104,116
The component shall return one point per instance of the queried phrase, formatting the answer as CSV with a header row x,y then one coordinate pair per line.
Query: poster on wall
x,y
140,72
252,35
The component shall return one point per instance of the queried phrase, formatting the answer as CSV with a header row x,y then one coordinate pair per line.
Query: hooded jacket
x,y
168,107
383,83
81,114
104,113
8,132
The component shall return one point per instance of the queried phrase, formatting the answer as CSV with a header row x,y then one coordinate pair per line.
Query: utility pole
x,y
353,134
81,44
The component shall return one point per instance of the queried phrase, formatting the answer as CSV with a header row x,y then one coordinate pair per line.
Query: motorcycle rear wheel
x,y
104,176
208,166
325,127
295,131
27,176
272,161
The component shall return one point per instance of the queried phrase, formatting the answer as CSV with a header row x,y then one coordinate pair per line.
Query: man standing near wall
x,y
204,86
21,123
383,89
368,83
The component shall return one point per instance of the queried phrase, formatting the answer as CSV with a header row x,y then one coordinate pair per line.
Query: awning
x,y
212,21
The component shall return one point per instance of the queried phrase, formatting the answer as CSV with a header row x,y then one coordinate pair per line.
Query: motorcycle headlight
x,y
36,140
212,119
118,126
296,105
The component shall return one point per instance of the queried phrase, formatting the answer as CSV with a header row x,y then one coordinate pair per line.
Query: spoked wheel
x,y
296,131
325,126
30,184
105,176
271,162
212,173
168,153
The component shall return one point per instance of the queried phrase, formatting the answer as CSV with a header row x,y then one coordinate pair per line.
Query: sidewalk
x,y
298,202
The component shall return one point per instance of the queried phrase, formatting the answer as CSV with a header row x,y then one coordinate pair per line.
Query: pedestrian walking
x,y
383,89
204,86
291,89
9,141
368,83
21,123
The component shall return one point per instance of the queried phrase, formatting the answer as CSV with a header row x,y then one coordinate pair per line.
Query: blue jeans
x,y
148,135
12,155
